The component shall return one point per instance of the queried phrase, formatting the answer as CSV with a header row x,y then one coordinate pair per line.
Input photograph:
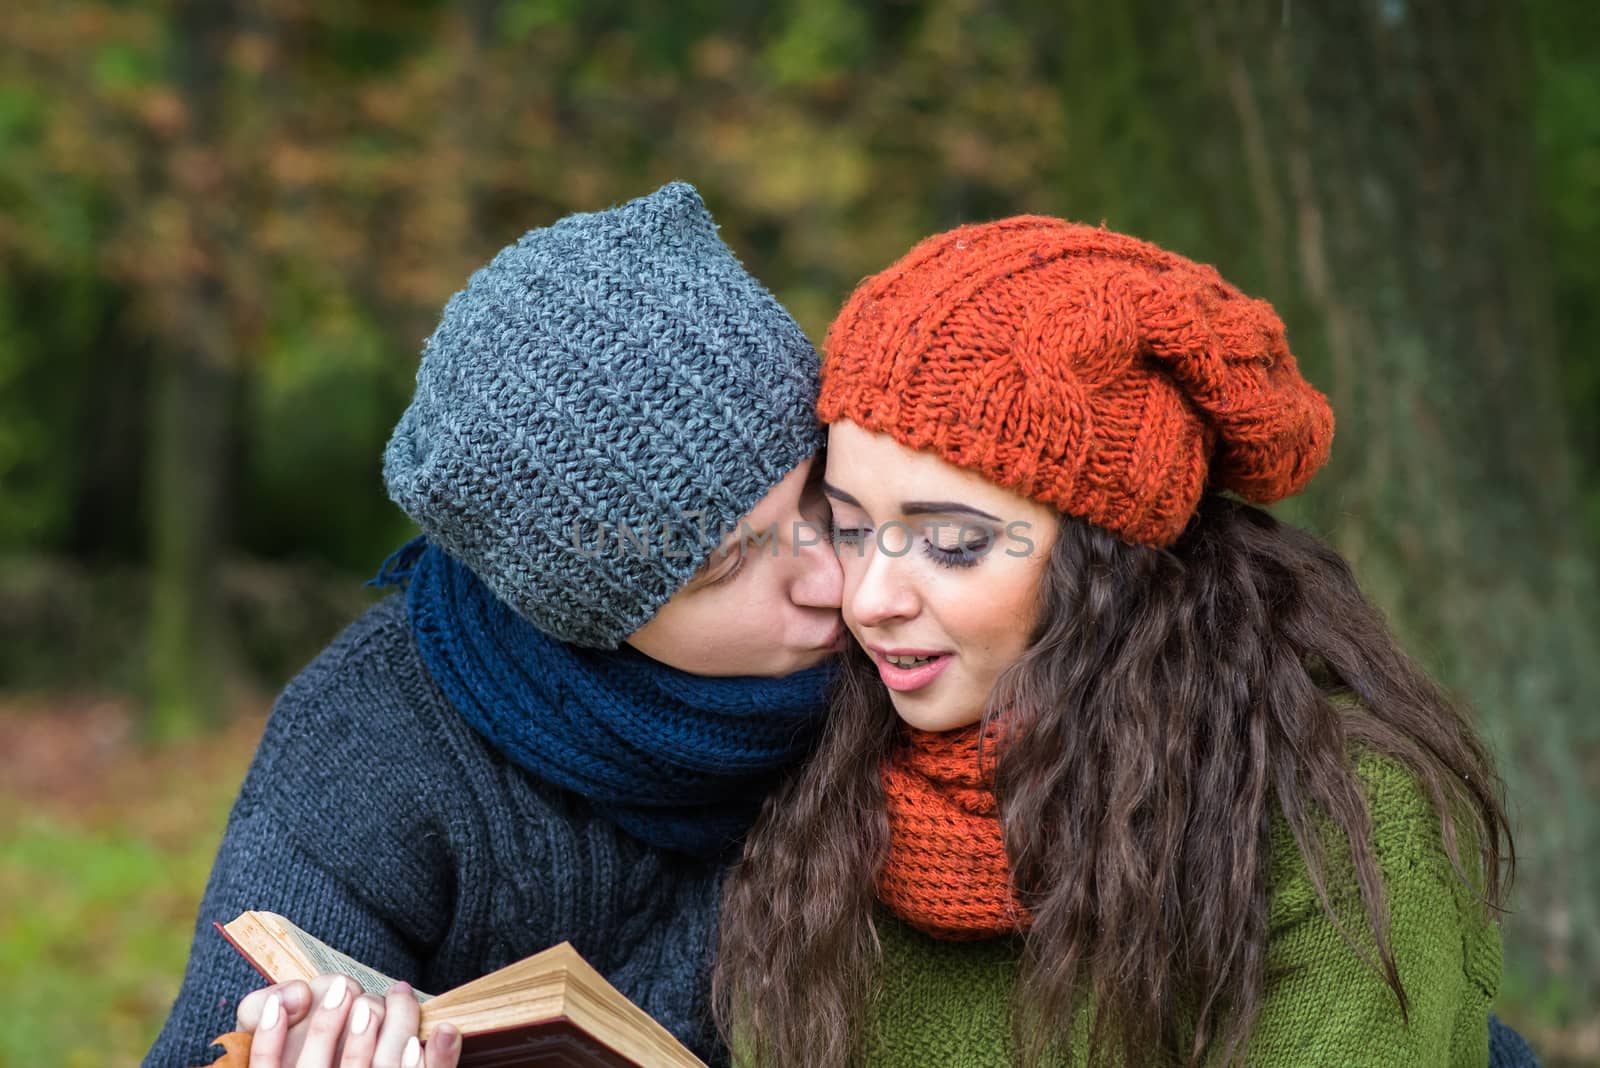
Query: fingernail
x,y
272,1013
413,1054
360,1017
402,987
335,995
294,995
445,1038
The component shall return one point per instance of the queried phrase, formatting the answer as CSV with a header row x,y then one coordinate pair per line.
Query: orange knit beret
x,y
1096,373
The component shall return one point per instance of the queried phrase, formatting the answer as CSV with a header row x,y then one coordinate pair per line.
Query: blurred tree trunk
x,y
1386,145
192,389
453,176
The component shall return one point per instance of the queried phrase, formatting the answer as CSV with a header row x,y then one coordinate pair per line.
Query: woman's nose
x,y
877,589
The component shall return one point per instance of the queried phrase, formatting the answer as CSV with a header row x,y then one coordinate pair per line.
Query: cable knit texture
x,y
1091,371
679,761
946,873
601,402
947,1003
375,817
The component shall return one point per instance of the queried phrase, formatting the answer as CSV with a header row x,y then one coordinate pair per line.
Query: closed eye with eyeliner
x,y
952,534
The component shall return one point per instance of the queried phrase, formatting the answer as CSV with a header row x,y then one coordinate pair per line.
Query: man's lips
x,y
836,639
831,640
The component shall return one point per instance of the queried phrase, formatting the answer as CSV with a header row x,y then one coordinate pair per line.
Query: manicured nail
x,y
413,1054
360,1017
335,995
272,1013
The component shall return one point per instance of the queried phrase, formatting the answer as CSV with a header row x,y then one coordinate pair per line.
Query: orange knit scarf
x,y
947,874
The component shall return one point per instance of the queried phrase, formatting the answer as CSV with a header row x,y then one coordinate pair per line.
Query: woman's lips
x,y
908,679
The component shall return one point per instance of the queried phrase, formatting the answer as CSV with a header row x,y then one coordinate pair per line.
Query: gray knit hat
x,y
604,399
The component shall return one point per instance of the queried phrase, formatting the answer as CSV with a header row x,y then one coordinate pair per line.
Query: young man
x,y
611,640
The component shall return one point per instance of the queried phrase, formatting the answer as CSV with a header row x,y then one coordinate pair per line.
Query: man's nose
x,y
820,583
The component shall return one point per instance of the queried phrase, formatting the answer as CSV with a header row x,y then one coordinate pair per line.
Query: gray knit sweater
x,y
374,817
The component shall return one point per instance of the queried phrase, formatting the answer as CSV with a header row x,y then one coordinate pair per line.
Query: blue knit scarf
x,y
677,760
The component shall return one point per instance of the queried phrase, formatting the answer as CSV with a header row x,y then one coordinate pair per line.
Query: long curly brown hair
x,y
1167,701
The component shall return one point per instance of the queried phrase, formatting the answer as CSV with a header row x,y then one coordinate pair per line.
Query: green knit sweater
x,y
946,1004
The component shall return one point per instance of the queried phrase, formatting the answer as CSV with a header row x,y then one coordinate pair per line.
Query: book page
x,y
280,950
558,985
325,960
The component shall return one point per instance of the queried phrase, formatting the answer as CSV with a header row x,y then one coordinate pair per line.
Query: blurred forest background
x,y
226,226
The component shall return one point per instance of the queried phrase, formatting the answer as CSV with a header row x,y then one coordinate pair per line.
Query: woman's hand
x,y
332,1024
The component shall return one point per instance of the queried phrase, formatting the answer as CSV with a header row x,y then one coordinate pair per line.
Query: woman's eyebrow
x,y
943,508
913,507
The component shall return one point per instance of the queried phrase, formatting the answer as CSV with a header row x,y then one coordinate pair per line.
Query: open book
x,y
550,1009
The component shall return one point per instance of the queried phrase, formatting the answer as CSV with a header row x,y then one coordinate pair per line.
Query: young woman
x,y
572,715
1123,770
